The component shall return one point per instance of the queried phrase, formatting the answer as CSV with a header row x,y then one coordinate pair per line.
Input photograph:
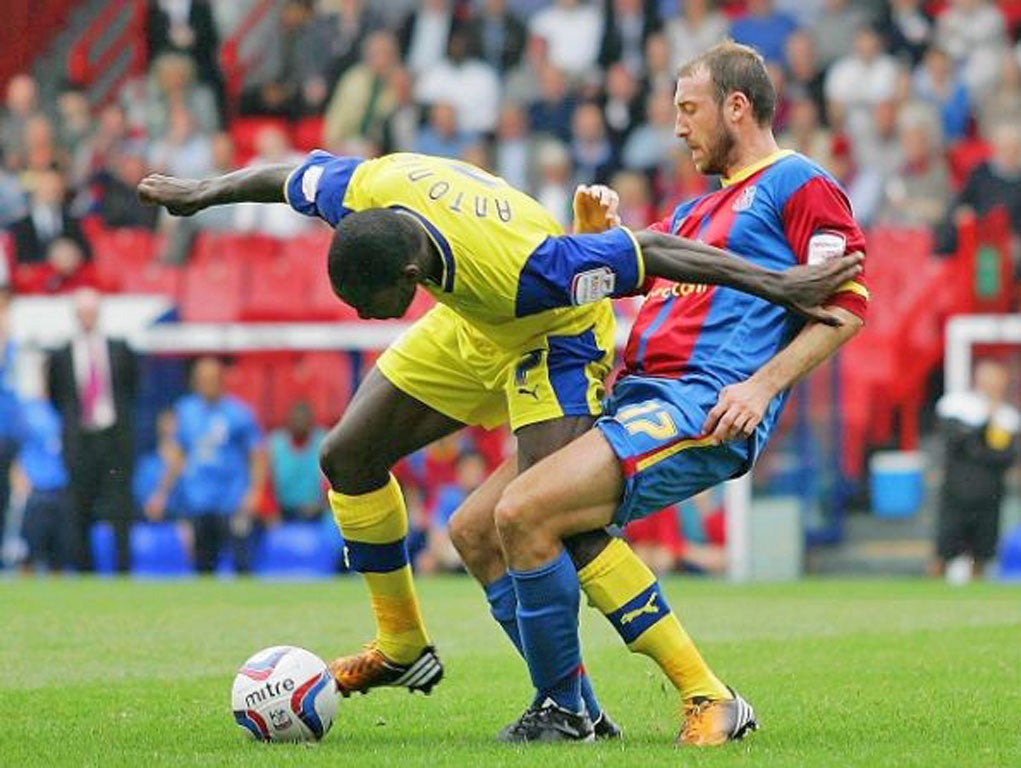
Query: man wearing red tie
x,y
92,383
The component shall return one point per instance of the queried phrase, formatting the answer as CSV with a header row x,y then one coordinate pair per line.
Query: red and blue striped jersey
x,y
780,212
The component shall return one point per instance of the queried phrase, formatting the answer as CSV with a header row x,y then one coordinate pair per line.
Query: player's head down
x,y
375,261
721,96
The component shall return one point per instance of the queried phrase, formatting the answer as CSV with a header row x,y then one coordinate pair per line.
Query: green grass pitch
x,y
841,673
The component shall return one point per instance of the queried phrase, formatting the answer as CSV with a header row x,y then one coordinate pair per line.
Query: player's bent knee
x,y
472,543
509,514
516,517
461,534
346,463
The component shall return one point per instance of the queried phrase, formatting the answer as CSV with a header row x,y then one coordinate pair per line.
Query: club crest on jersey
x,y
744,202
592,285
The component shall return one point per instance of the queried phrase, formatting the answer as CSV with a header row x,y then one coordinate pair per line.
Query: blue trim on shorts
x,y
679,475
566,362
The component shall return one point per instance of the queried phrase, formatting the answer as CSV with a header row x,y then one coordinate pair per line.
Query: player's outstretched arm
x,y
184,197
801,289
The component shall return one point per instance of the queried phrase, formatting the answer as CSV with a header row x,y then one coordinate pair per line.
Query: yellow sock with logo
x,y
623,588
375,526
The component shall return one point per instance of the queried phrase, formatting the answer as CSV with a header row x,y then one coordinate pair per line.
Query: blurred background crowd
x,y
915,107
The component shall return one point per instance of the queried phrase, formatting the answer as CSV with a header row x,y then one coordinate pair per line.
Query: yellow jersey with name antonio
x,y
508,269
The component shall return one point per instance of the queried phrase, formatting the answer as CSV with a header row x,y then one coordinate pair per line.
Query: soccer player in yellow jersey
x,y
522,332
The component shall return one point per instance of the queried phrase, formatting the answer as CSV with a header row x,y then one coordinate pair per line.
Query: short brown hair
x,y
735,67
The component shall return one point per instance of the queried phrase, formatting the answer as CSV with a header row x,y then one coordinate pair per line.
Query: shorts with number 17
x,y
654,426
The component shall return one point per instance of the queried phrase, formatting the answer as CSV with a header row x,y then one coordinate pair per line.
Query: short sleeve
x,y
250,433
319,185
183,434
571,270
819,225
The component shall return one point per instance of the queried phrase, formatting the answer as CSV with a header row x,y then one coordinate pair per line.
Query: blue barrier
x,y
104,552
1010,555
297,550
157,550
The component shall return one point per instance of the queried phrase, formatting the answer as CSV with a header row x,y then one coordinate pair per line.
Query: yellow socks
x,y
374,526
620,585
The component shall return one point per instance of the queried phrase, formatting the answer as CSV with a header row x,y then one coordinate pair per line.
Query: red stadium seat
x,y
92,226
233,246
213,291
244,131
964,156
116,252
308,134
323,303
323,379
155,278
248,380
277,289
30,278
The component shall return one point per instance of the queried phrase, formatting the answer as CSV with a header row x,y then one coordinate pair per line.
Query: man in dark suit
x,y
497,36
188,27
48,219
92,381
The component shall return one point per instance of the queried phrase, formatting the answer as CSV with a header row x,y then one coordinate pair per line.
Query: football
x,y
284,693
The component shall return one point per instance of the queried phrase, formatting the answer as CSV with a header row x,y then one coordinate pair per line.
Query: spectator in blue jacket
x,y
221,468
47,525
8,408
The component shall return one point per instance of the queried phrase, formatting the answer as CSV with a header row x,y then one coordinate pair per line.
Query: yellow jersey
x,y
508,269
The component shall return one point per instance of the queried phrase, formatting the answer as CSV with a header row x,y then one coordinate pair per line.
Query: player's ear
x,y
736,104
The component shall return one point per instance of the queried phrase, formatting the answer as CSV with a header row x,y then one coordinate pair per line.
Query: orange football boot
x,y
371,669
711,722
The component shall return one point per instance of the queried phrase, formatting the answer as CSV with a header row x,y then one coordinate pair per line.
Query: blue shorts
x,y
655,428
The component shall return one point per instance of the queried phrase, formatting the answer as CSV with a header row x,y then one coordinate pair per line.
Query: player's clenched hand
x,y
805,287
738,411
179,196
595,209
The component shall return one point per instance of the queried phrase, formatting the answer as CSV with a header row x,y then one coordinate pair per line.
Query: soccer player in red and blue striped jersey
x,y
707,373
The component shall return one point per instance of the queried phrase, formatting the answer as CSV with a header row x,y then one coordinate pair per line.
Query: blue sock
x,y
588,695
548,623
503,605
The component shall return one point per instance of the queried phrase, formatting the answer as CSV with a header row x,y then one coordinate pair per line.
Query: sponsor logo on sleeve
x,y
593,285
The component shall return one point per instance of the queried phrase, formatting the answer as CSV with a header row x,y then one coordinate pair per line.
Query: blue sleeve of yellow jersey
x,y
317,187
571,270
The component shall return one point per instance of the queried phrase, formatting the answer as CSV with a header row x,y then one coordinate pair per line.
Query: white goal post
x,y
963,333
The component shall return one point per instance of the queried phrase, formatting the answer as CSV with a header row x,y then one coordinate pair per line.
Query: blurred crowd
x,y
68,448
915,107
